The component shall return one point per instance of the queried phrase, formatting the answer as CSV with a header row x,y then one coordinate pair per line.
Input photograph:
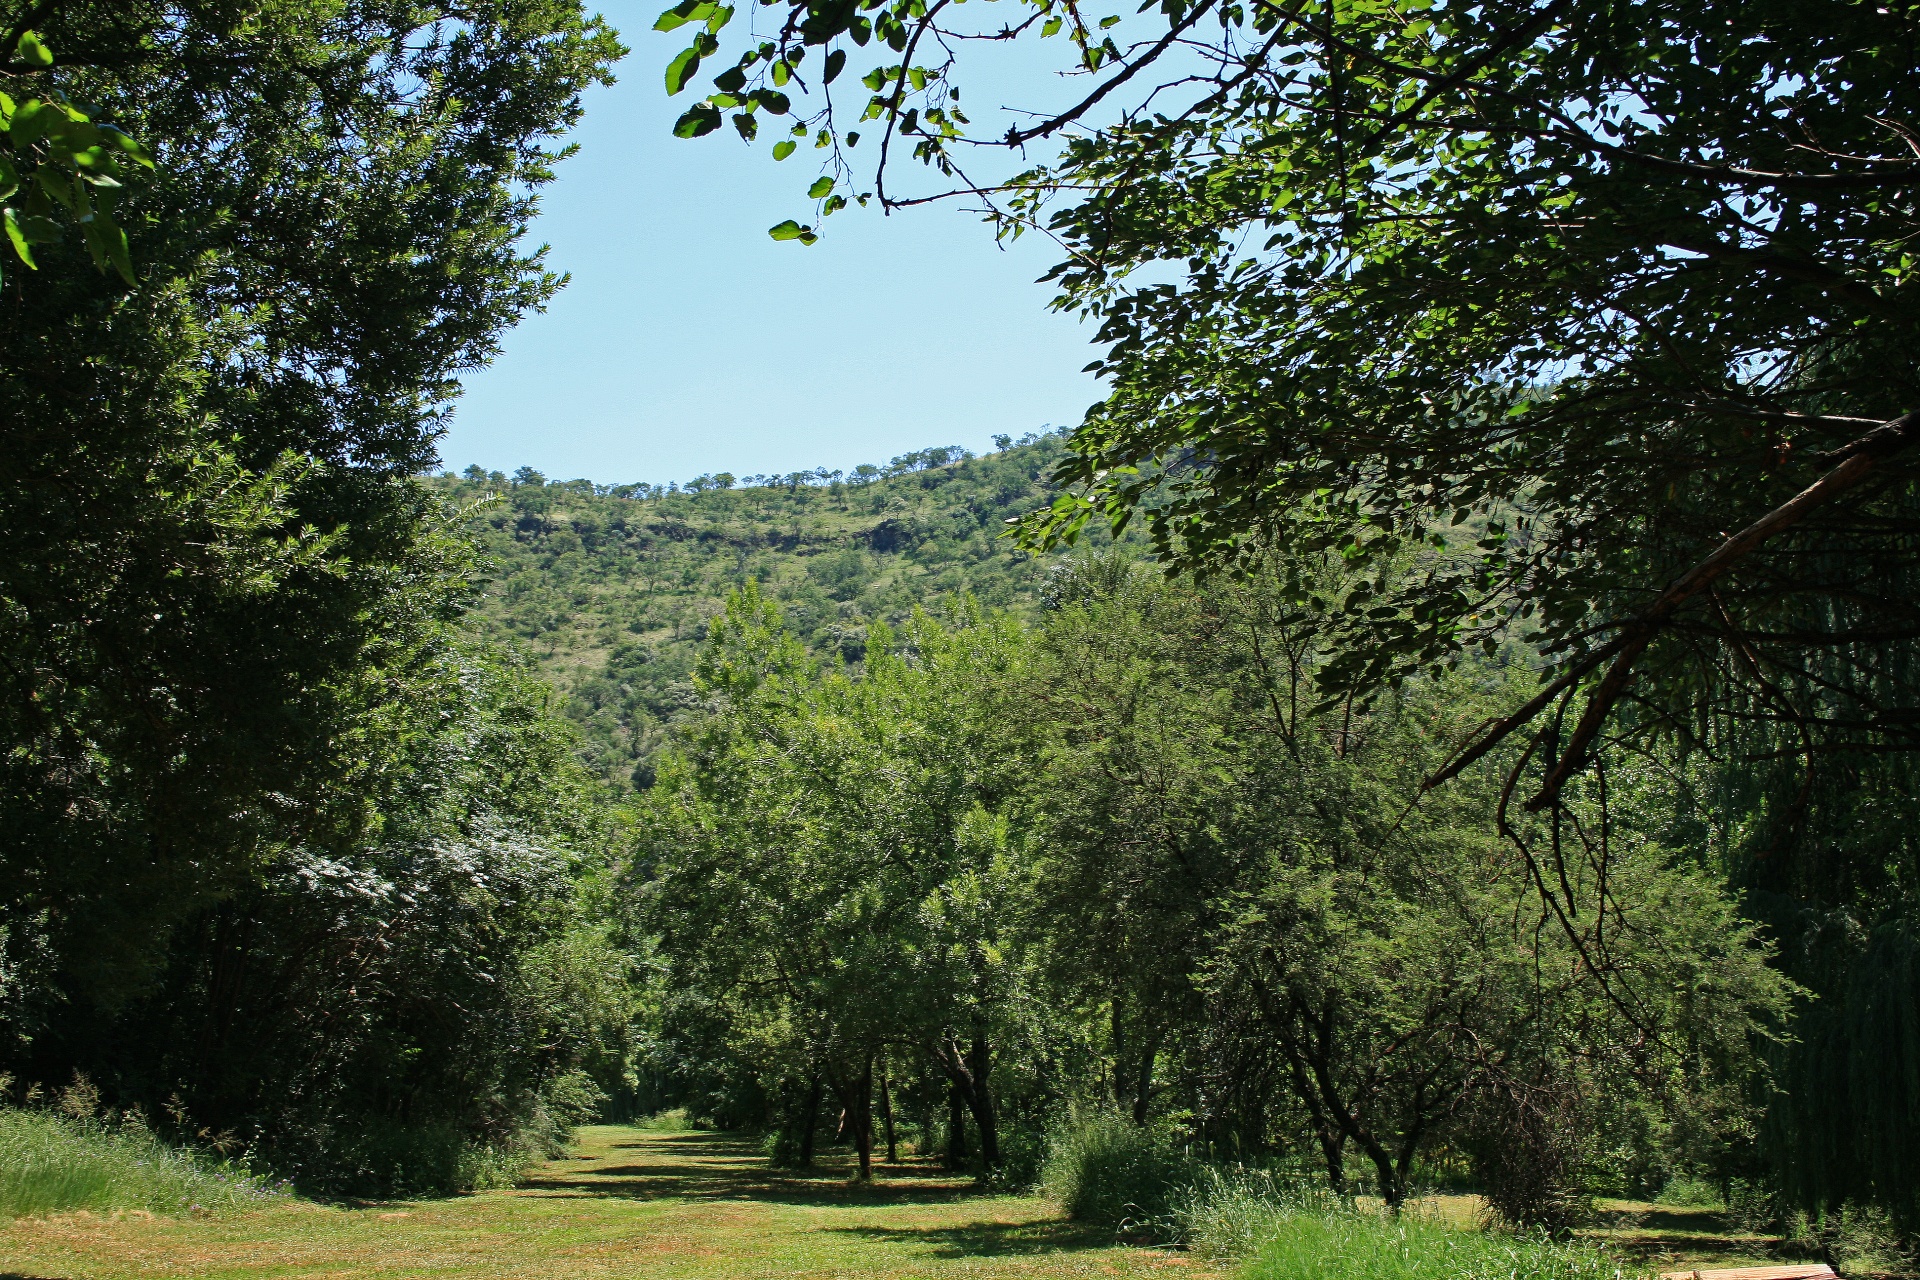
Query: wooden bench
x,y
1813,1271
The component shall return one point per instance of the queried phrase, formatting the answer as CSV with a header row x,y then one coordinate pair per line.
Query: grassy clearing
x,y
630,1203
661,1204
50,1163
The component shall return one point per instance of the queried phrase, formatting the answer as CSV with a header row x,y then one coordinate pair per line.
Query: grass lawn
x,y
1674,1238
628,1203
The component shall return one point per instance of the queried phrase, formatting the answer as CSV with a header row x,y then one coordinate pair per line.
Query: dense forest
x,y
1446,718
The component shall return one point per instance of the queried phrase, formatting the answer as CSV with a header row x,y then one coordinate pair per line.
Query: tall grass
x,y
1303,1244
52,1163
675,1121
1106,1169
1287,1226
1233,1212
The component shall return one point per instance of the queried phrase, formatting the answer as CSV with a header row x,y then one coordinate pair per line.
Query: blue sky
x,y
690,342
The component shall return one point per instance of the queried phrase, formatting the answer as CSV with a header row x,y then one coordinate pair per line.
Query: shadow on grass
x,y
991,1239
714,1166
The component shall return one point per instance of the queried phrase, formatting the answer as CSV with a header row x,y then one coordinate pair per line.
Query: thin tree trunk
x,y
980,1063
1143,1079
956,1128
807,1123
886,1114
862,1120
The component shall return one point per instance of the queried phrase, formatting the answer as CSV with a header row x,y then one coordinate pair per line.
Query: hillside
x,y
609,588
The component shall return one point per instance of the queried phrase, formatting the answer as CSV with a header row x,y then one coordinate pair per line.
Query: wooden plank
x,y
1811,1271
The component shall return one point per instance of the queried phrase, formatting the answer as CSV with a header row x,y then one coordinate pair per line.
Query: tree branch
x,y
1860,458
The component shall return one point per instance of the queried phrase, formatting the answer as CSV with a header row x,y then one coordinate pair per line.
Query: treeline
x,y
1128,859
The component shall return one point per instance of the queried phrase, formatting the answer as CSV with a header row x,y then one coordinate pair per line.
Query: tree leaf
x,y
681,14
820,187
835,62
32,51
781,150
791,230
681,70
17,234
701,119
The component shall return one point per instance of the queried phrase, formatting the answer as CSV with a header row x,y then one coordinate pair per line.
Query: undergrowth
x,y
52,1163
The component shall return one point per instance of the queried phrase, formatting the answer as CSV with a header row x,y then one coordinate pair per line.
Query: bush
x,y
50,1163
1109,1170
1353,1245
1691,1193
387,1160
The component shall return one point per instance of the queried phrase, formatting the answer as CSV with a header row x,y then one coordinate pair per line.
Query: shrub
x,y
1693,1193
1109,1170
380,1161
1355,1245
51,1163
675,1121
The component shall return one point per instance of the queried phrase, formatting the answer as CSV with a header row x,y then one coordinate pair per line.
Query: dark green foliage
x,y
381,1019
251,848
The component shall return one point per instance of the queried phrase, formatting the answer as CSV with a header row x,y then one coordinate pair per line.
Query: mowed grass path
x,y
628,1203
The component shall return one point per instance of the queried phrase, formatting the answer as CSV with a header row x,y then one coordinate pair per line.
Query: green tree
x,y
221,571
831,857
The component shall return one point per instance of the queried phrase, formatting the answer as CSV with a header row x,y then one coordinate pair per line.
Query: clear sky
x,y
690,342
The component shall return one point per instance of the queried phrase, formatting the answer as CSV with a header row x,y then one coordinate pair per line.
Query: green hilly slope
x,y
609,588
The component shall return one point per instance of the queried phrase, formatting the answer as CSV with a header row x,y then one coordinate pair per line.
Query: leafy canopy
x,y
1563,292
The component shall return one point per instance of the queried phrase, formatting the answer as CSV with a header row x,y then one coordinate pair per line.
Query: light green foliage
x,y
52,1163
57,157
1123,858
1257,889
832,855
1232,1213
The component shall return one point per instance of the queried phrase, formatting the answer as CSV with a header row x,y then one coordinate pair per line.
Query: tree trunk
x,y
1143,1079
1333,1147
886,1114
968,1072
956,1128
980,1063
807,1123
861,1119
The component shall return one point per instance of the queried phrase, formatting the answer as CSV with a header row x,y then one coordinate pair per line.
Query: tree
x,y
221,566
1619,278
829,858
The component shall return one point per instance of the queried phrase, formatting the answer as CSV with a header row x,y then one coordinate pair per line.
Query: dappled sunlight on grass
x,y
628,1203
